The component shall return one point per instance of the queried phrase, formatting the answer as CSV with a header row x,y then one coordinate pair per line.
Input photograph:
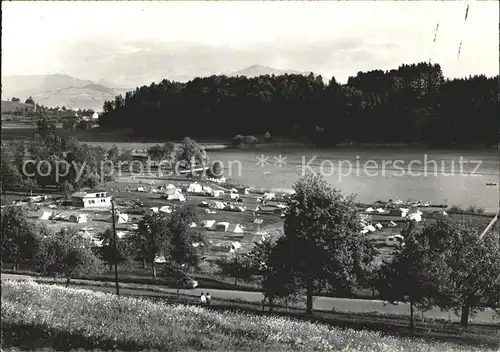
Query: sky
x,y
134,43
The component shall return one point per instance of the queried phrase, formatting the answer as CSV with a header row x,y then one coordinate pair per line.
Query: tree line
x,y
321,250
412,104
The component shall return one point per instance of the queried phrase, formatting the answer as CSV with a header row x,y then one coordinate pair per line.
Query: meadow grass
x,y
37,316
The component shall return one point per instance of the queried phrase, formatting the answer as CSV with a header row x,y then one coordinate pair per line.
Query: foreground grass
x,y
37,316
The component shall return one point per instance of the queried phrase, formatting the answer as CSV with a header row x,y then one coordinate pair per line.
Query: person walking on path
x,y
209,298
203,299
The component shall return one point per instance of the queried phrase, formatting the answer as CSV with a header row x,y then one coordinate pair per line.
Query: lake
x,y
372,174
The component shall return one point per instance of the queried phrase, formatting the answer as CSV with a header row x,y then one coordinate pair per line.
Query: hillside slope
x,y
44,315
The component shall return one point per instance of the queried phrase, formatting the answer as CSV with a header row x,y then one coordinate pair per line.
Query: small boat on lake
x,y
491,183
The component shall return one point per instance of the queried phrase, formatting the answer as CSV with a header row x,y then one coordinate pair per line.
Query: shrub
x,y
267,137
238,140
250,140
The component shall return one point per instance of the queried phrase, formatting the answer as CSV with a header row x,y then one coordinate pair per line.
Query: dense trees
x,y
446,265
66,253
411,104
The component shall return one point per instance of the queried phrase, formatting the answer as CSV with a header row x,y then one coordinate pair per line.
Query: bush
x,y
238,140
267,137
250,140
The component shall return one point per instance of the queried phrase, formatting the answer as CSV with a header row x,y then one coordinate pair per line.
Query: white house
x,y
95,199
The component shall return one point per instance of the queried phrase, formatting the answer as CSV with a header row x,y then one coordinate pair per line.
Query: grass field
x,y
36,316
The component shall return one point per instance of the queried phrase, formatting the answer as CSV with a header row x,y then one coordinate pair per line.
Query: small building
x,y
95,199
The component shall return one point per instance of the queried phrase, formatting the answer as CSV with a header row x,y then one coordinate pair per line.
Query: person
x,y
209,298
203,299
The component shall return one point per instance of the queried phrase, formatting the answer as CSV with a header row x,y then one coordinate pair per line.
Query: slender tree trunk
x,y
235,282
110,267
143,263
153,267
271,304
14,265
309,294
464,317
412,323
67,281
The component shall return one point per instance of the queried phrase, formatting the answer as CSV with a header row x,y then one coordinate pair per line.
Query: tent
x,y
79,219
170,190
415,216
269,196
120,218
140,189
176,196
193,224
380,210
369,210
160,260
378,226
221,226
154,209
238,229
208,223
195,188
121,234
392,224
370,228
45,216
207,190
236,245
217,204
166,209
217,193
234,195
233,190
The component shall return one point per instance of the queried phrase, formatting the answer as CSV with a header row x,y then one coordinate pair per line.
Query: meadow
x,y
36,316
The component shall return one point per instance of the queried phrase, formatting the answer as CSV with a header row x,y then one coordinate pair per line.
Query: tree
x,y
267,137
168,150
19,241
250,140
409,276
168,236
10,176
30,101
156,153
28,184
215,171
190,153
67,189
67,254
236,266
323,238
16,99
124,254
238,140
469,268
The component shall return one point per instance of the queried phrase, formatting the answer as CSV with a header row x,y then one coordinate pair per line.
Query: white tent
x,y
222,226
79,219
370,228
208,223
238,229
176,196
233,190
166,209
369,210
378,226
234,195
170,189
392,224
193,224
45,216
415,216
217,193
364,231
236,245
207,190
380,210
154,209
121,234
195,188
217,204
140,189
160,260
120,218
269,196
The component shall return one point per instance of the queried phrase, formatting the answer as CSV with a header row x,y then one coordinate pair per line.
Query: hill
x,y
60,90
90,96
36,316
259,70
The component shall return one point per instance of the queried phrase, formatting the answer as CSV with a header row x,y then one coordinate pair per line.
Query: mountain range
x,y
65,90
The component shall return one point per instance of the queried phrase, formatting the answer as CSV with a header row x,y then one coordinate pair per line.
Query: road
x,y
319,303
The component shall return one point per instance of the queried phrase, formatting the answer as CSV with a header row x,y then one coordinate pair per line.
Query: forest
x,y
413,104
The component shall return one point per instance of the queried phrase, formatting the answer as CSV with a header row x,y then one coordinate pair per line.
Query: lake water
x,y
373,174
